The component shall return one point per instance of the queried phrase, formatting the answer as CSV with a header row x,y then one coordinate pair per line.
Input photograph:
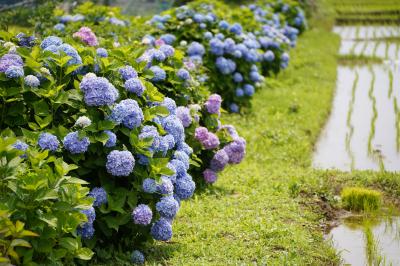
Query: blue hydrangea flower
x,y
74,144
128,72
59,27
32,81
168,38
185,148
198,18
179,167
128,113
166,187
142,214
269,56
152,133
101,52
8,60
216,46
208,35
167,207
285,57
183,74
255,76
236,29
184,187
159,74
220,36
70,51
183,157
173,126
137,257
20,145
168,50
239,92
234,108
135,85
196,48
120,163
167,142
223,24
149,185
237,77
90,214
158,55
170,105
86,231
229,46
225,66
219,161
100,196
14,72
98,91
48,141
248,89
161,230
51,40
174,175
183,113
112,139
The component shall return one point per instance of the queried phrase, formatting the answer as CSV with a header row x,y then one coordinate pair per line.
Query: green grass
x,y
252,214
271,208
361,199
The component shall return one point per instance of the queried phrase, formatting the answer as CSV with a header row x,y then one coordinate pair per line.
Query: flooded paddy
x,y
367,240
363,130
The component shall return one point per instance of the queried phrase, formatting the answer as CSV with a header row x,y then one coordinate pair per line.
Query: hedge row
x,y
107,128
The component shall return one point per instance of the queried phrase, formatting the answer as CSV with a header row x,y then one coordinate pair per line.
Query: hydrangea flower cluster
x,y
128,113
55,45
87,36
12,65
98,91
86,230
208,139
120,163
100,196
48,141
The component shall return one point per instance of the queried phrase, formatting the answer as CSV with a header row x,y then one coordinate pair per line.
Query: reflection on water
x,y
363,130
349,239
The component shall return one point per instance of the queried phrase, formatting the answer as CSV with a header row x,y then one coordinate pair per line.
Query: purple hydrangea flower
x,y
87,36
161,230
183,113
167,207
48,141
236,150
74,144
100,196
9,60
128,72
210,176
213,104
135,85
120,163
149,185
219,161
142,214
98,91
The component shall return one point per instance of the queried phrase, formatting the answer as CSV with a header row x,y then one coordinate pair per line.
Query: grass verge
x,y
254,213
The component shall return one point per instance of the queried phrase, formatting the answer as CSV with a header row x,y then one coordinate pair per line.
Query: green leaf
x,y
69,243
84,254
41,108
20,243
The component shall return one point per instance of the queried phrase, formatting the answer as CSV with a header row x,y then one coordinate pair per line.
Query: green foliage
x,y
38,194
361,199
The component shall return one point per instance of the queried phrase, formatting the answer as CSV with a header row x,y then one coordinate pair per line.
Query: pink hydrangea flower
x,y
87,36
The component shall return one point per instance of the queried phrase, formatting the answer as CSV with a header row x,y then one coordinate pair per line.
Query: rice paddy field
x,y
306,173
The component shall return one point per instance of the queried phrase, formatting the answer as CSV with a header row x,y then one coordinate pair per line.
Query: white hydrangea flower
x,y
83,122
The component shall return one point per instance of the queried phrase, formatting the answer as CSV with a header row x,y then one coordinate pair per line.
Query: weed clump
x,y
361,199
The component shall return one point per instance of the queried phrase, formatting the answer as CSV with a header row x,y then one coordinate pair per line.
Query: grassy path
x,y
253,215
